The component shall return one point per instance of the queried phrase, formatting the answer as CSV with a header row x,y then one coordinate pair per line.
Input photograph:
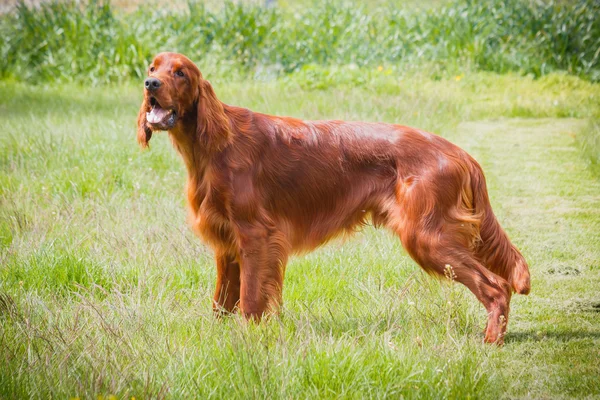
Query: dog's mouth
x,y
160,117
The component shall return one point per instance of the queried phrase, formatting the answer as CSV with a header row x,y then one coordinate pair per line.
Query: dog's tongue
x,y
156,115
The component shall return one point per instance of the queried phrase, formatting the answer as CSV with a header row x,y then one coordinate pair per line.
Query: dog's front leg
x,y
263,256
227,293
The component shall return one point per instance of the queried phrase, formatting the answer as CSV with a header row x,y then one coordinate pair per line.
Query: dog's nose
x,y
152,84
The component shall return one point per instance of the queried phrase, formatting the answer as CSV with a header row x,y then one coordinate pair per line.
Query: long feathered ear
x,y
213,124
144,133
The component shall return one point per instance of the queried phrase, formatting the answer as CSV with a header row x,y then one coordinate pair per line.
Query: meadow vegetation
x,y
104,290
65,41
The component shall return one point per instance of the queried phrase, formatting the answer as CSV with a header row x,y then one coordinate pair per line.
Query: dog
x,y
263,187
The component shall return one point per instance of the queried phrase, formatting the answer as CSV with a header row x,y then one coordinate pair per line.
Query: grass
x,y
94,42
105,291
589,142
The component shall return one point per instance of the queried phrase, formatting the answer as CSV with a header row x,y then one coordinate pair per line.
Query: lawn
x,y
104,291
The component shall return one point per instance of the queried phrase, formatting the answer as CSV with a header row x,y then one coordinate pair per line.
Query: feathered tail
x,y
495,250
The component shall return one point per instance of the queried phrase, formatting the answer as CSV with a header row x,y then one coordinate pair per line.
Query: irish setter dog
x,y
262,187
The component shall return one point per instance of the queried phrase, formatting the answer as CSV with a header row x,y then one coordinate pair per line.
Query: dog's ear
x,y
144,133
213,125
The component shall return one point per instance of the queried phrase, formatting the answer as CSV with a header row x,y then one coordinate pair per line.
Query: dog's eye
x,y
151,69
179,73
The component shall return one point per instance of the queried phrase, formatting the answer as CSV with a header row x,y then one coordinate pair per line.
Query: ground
x,y
105,291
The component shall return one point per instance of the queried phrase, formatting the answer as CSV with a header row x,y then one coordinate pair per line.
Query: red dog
x,y
261,187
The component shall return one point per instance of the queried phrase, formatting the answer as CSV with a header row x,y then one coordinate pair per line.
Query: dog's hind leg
x,y
440,233
444,256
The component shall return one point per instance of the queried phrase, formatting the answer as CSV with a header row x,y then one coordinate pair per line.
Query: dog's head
x,y
171,91
175,94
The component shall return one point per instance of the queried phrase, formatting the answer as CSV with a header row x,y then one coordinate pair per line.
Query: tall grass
x,y
73,41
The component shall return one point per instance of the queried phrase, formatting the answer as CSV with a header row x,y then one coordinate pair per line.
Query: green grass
x,y
96,43
105,291
589,142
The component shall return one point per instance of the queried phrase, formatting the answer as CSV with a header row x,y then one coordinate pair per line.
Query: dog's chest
x,y
209,218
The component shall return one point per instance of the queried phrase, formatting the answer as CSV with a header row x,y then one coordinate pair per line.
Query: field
x,y
106,293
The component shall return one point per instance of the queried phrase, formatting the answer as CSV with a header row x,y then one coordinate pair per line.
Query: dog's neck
x,y
199,141
193,152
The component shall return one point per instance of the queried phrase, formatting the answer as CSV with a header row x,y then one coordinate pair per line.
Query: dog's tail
x,y
494,249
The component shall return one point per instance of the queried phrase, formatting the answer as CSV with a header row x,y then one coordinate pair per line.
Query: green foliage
x,y
72,41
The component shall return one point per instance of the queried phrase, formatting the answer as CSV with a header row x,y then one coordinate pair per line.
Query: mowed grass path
x,y
105,291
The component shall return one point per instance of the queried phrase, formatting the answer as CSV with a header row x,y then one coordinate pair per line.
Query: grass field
x,y
104,291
